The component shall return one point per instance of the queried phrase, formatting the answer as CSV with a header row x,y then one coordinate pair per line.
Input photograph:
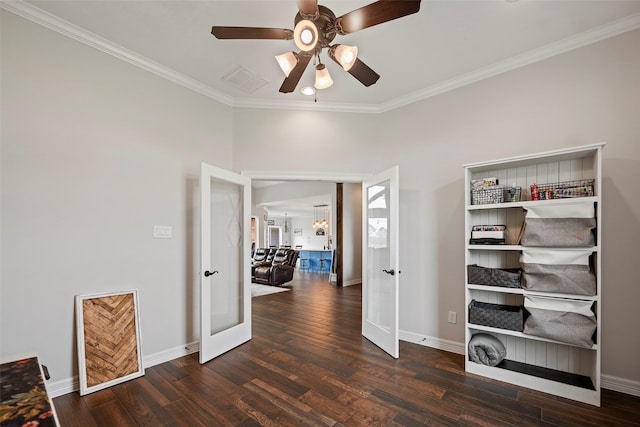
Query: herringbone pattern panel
x,y
110,338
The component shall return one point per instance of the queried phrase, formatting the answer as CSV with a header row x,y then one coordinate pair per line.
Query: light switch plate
x,y
452,317
162,231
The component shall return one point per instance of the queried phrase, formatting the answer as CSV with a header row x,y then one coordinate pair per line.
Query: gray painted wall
x,y
95,152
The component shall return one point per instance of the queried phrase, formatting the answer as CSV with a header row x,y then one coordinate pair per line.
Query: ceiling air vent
x,y
244,80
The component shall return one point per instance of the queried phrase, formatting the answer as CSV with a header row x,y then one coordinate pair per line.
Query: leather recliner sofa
x,y
279,271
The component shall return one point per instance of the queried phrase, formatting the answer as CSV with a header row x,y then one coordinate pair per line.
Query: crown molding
x,y
594,35
305,105
68,29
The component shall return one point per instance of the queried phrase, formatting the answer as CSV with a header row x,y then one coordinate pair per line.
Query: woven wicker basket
x,y
503,277
509,317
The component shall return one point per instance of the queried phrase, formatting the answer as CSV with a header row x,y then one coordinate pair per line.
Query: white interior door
x,y
225,290
380,260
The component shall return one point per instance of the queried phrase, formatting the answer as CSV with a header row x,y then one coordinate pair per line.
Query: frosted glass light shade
x,y
344,55
287,62
305,35
323,78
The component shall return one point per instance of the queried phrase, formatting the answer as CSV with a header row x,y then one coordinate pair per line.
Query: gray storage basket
x,y
503,277
568,279
570,328
501,316
558,232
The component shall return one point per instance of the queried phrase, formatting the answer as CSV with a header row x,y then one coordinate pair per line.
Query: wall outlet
x,y
452,317
162,231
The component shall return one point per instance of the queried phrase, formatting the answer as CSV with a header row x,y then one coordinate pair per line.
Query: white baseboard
x,y
620,384
69,385
351,282
63,387
167,355
440,344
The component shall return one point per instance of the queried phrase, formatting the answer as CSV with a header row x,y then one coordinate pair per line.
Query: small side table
x,y
24,377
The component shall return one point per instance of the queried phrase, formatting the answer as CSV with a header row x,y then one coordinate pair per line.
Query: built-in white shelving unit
x,y
542,364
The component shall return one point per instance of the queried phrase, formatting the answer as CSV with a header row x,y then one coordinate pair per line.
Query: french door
x,y
380,261
225,276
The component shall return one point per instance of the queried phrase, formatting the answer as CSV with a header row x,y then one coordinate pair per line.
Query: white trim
x,y
68,29
433,342
62,387
621,385
354,178
69,385
310,105
594,35
352,282
171,354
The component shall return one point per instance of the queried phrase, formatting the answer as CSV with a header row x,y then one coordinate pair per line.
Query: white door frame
x,y
308,176
352,178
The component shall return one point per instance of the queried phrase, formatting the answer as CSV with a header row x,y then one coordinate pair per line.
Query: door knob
x,y
390,272
209,273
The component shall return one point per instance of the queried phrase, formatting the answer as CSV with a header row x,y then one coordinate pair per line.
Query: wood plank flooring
x,y
308,364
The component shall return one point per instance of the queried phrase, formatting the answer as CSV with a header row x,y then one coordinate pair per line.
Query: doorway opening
x,y
342,193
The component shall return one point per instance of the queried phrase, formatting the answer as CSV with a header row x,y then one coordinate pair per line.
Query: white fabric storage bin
x,y
568,225
564,320
558,270
573,210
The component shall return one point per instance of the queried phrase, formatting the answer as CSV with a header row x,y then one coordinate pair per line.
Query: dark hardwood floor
x,y
308,364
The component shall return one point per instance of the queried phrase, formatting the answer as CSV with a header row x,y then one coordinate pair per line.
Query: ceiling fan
x,y
315,28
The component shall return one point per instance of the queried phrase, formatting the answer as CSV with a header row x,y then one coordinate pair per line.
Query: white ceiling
x,y
447,44
292,208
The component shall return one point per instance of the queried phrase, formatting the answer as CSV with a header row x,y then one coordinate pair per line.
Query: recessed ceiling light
x,y
308,90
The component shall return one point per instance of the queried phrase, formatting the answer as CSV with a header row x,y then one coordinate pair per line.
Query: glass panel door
x,y
380,260
225,247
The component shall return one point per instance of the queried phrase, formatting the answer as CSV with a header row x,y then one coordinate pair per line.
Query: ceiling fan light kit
x,y
323,78
344,55
287,62
315,28
305,35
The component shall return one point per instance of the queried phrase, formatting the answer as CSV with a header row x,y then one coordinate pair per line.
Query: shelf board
x,y
520,247
520,291
521,335
555,385
527,203
562,154
548,374
494,247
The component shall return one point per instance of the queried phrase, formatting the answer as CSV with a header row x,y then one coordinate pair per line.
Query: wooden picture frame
x,y
108,330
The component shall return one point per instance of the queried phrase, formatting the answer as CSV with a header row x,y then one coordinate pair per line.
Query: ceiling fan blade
x,y
374,14
308,9
363,73
289,84
251,33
